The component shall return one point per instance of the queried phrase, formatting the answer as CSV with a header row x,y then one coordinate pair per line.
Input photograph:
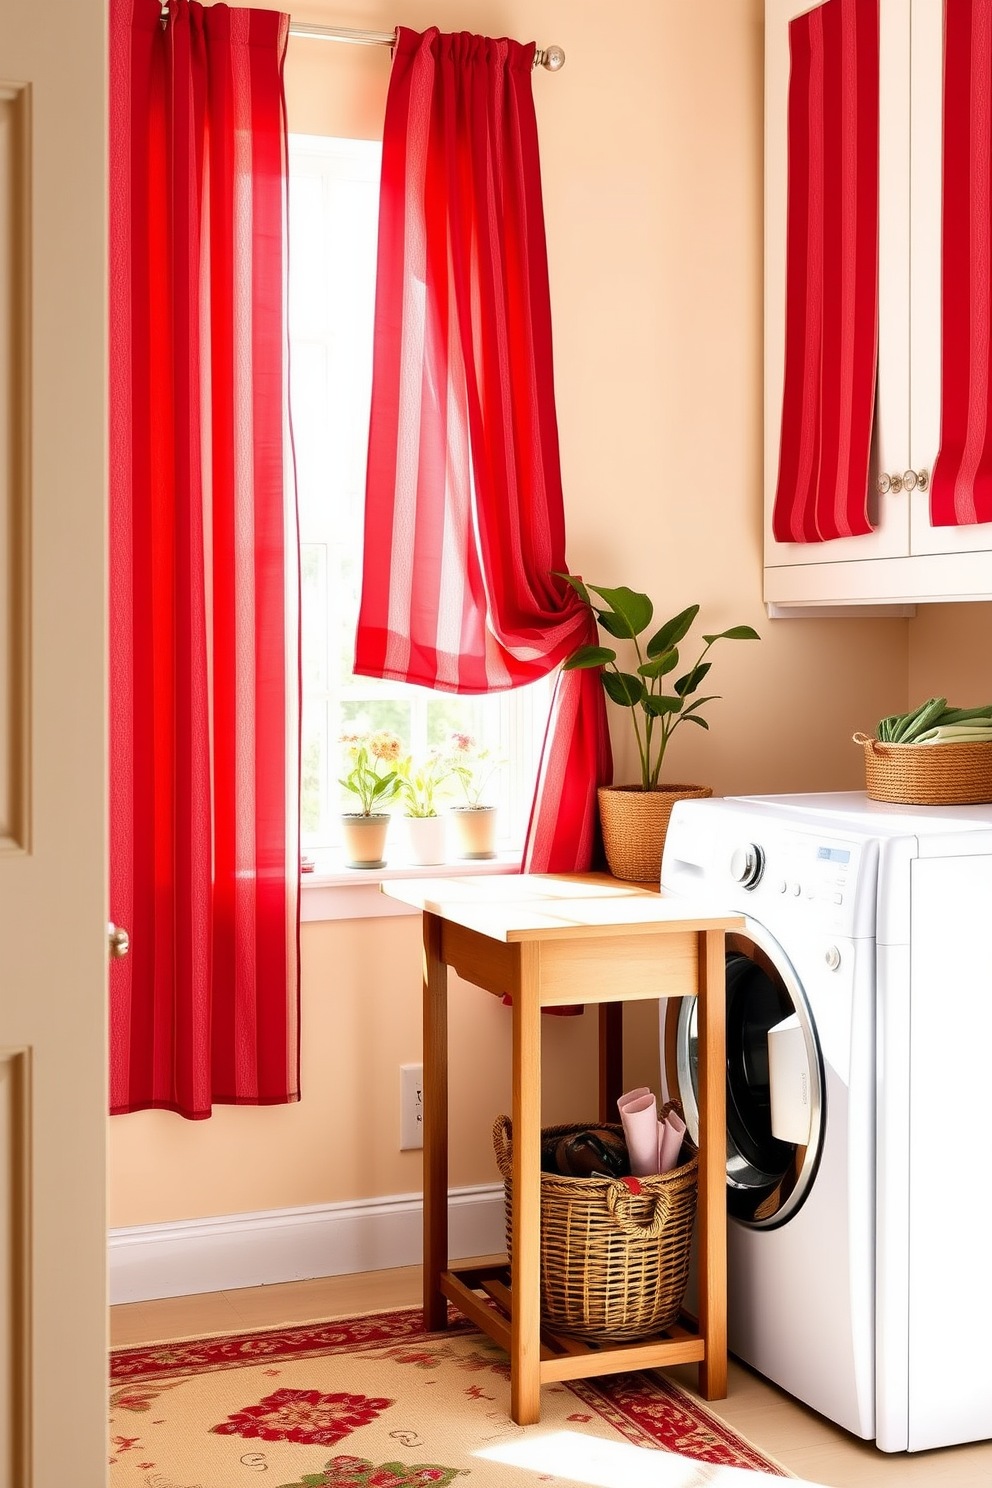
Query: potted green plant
x,y
475,820
421,786
634,817
370,776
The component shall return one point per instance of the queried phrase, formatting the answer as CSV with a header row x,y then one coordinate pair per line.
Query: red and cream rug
x,y
375,1402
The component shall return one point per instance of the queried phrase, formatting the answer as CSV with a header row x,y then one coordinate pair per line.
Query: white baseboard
x,y
243,1250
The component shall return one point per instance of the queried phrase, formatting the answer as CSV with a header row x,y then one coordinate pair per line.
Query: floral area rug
x,y
375,1402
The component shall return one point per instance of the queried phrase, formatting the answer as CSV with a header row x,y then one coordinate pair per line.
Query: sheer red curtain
x,y
464,521
204,768
831,313
961,487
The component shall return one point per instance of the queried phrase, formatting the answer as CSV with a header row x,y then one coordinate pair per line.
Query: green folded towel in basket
x,y
976,731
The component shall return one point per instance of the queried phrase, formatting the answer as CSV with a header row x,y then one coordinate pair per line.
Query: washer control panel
x,y
774,869
802,870
823,876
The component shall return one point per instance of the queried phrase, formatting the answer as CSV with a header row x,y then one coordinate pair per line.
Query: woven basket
x,y
634,823
927,774
613,1264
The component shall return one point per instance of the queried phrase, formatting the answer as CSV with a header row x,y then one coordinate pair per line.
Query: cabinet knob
x,y
910,480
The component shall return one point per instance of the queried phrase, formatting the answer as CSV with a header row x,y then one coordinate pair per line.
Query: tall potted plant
x,y
634,818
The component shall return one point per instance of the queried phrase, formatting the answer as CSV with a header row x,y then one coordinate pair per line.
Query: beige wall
x,y
361,1020
951,654
651,156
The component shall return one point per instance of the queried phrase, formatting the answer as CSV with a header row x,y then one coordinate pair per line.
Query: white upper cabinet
x,y
905,559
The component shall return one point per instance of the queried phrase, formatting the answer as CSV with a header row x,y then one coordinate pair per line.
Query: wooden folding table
x,y
551,941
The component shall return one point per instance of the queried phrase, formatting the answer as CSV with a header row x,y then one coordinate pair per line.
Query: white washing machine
x,y
859,1046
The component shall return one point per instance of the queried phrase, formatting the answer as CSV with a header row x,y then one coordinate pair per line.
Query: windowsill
x,y
334,892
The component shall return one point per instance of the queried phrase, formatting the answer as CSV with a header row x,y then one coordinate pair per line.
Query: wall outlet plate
x,y
411,1106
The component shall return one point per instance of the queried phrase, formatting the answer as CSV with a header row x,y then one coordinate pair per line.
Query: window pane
x,y
313,571
370,717
313,769
447,715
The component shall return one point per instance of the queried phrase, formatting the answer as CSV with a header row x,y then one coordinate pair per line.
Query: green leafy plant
x,y
369,777
420,784
656,714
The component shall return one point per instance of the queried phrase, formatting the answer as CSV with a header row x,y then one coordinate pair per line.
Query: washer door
x,y
774,1080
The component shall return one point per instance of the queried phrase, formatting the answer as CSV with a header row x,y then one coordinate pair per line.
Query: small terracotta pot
x,y
475,831
634,823
365,839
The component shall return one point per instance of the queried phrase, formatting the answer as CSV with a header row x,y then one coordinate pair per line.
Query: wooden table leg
x,y
711,1013
525,1281
435,1124
610,1059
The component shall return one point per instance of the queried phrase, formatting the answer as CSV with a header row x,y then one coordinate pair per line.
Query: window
x,y
333,228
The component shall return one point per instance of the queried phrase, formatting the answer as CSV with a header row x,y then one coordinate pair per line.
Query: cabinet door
x,y
889,512
926,144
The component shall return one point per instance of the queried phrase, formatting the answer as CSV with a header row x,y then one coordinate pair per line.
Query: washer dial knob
x,y
747,864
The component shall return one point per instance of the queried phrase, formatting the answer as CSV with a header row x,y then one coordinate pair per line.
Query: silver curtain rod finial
x,y
552,57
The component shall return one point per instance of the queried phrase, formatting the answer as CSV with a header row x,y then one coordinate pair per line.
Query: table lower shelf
x,y
482,1293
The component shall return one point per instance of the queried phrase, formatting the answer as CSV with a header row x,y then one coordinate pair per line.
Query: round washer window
x,y
767,1179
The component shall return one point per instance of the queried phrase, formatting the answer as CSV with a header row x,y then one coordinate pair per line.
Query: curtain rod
x,y
552,57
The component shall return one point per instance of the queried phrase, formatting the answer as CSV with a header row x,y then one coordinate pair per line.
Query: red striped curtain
x,y
961,486
464,520
204,660
831,313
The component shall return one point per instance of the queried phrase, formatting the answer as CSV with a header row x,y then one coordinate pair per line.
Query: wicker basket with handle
x,y
927,774
614,1263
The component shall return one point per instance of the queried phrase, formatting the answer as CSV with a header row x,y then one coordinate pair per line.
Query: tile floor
x,y
802,1441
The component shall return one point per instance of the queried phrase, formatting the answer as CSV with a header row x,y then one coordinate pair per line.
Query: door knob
x,y
119,941
909,480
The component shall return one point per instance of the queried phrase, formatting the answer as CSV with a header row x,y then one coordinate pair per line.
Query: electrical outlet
x,y
411,1106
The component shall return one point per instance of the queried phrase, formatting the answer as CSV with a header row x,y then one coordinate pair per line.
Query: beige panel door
x,y
53,928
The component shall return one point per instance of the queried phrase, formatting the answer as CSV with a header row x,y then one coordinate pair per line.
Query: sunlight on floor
x,y
585,1459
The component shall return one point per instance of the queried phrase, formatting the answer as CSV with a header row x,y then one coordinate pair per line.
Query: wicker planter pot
x,y
634,823
927,774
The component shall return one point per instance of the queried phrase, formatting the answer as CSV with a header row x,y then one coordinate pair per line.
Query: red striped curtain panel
x,y
831,330
464,522
204,663
961,487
